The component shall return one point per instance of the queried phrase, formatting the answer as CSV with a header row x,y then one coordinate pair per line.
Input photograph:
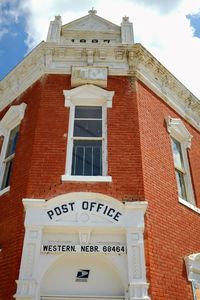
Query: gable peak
x,y
92,11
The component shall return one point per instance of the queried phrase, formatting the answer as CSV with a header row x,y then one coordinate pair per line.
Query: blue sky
x,y
12,38
169,29
195,23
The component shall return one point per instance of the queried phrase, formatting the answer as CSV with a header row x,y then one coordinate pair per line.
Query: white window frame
x,y
87,95
10,120
179,132
192,263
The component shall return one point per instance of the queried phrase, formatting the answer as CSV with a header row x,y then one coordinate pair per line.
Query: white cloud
x,y
164,6
9,12
161,26
3,31
39,16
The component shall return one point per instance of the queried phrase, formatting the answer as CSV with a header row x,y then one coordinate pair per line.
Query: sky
x,y
169,29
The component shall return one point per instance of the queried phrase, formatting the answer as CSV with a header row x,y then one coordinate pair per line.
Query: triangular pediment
x,y
91,22
88,94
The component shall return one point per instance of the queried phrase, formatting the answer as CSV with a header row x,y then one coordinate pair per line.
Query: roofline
x,y
79,19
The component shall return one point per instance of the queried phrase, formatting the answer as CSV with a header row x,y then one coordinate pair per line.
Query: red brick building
x,y
100,168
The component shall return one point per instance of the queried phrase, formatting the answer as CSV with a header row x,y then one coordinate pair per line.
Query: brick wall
x,y
139,161
41,156
11,207
172,230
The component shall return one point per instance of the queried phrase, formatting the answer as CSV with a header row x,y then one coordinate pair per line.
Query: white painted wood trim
x,y
7,189
179,132
189,205
10,120
68,167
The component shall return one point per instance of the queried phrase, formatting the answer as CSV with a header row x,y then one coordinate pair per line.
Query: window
x,y
181,141
8,160
179,168
192,263
9,129
87,141
87,135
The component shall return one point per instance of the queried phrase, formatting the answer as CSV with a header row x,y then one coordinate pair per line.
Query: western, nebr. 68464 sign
x,y
62,247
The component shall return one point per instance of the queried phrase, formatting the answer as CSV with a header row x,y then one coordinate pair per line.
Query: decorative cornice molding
x,y
153,74
121,60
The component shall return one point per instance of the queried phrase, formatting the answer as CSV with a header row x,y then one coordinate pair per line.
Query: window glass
x,y
10,151
88,121
12,141
88,128
87,141
181,185
179,169
87,158
88,112
7,173
177,154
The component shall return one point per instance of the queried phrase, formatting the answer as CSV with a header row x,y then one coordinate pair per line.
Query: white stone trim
x,y
88,95
93,96
179,132
177,129
126,31
81,298
10,120
121,60
87,178
35,264
192,263
54,30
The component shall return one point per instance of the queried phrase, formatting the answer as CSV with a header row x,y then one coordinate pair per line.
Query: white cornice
x,y
121,60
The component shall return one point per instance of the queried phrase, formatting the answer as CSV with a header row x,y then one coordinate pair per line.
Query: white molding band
x,y
47,58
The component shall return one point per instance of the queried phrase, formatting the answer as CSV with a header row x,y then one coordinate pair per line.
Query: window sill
x,y
189,205
7,189
87,178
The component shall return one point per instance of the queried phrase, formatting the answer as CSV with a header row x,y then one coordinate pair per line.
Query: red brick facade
x,y
141,165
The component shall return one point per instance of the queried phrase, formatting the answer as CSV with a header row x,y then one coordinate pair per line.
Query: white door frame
x,y
41,214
